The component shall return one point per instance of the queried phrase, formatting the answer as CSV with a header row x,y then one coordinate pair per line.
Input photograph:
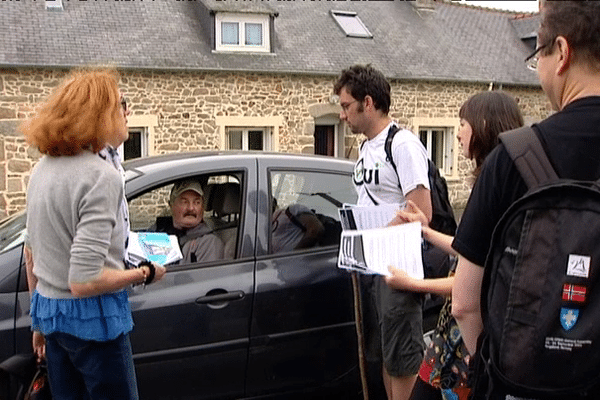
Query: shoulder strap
x,y
388,149
526,151
388,145
294,220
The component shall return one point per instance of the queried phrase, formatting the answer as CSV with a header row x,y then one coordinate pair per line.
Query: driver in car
x,y
196,239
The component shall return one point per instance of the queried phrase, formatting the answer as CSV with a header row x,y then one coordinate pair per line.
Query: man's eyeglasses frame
x,y
346,106
532,60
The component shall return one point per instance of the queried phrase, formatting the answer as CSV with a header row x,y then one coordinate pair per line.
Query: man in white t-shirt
x,y
397,334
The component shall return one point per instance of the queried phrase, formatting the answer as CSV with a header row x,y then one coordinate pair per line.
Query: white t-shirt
x,y
374,174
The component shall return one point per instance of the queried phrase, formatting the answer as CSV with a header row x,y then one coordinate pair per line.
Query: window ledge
x,y
246,52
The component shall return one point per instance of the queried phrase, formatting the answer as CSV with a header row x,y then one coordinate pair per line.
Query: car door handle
x,y
220,296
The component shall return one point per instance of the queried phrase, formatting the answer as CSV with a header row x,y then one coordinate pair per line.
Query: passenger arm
x,y
314,230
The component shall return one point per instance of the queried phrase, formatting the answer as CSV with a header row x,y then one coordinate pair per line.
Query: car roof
x,y
140,166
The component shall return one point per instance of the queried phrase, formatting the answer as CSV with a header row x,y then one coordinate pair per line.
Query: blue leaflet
x,y
155,245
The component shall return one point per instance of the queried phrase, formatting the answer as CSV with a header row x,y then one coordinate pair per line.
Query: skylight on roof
x,y
351,24
54,5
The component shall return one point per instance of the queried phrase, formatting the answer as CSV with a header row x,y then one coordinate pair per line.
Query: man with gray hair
x,y
567,61
196,239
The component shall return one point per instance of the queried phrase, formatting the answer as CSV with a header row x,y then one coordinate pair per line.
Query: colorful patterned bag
x,y
446,362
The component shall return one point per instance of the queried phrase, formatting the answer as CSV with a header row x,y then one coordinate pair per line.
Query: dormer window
x,y
242,32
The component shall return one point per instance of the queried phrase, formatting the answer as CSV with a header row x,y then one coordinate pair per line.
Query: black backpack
x,y
540,296
436,263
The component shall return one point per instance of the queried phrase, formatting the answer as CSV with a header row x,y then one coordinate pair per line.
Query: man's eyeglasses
x,y
346,106
124,104
532,60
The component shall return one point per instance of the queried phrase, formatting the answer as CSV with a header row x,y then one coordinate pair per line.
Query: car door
x,y
190,339
15,324
303,335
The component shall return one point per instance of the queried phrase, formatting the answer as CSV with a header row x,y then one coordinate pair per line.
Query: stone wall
x,y
443,100
186,105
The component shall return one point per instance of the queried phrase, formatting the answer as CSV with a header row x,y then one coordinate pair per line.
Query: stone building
x,y
224,74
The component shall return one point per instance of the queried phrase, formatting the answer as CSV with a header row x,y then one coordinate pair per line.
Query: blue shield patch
x,y
568,317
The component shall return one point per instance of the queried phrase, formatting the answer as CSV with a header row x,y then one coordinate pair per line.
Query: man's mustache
x,y
190,214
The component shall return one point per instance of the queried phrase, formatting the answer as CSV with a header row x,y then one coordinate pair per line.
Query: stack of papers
x,y
153,246
368,245
368,217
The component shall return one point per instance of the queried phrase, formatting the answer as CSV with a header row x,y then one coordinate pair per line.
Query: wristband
x,y
150,276
144,276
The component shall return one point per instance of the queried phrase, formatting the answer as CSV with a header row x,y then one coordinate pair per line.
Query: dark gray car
x,y
256,323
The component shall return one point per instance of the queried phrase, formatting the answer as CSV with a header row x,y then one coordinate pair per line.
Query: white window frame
x,y
242,19
266,137
447,151
351,24
269,125
143,142
146,124
449,127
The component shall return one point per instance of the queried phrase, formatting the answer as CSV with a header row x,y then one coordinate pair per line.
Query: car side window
x,y
304,208
203,212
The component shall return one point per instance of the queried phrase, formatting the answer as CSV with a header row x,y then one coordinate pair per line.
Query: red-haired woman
x,y
76,241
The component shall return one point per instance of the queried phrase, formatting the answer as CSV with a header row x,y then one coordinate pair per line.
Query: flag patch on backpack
x,y
574,293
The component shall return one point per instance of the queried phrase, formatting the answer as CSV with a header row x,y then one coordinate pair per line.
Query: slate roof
x,y
452,42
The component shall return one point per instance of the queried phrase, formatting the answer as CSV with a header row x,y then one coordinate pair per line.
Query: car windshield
x,y
12,231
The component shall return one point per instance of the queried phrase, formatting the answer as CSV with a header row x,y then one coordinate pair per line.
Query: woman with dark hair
x,y
482,118
76,241
443,373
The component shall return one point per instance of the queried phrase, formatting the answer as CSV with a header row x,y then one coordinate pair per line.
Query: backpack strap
x,y
526,151
388,149
388,156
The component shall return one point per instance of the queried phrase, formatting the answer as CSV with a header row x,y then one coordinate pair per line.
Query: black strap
x,y
375,202
152,273
529,156
388,149
294,220
388,157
